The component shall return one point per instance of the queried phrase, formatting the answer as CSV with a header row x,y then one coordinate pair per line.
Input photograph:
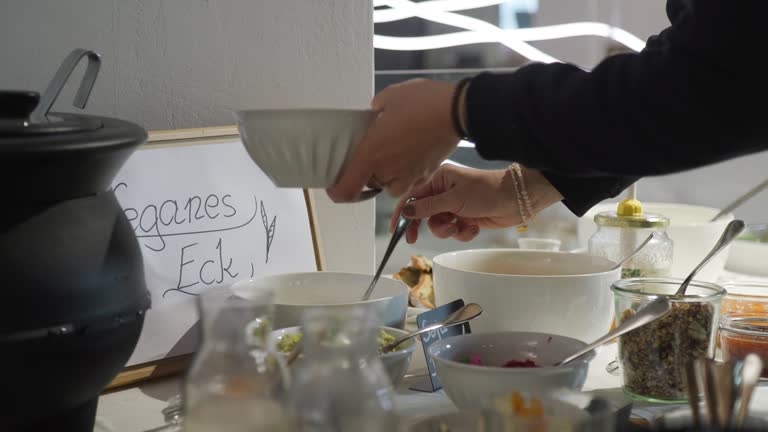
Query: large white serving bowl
x,y
522,290
295,293
690,230
302,147
472,387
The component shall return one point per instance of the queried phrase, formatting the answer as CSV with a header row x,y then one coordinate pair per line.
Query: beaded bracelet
x,y
523,201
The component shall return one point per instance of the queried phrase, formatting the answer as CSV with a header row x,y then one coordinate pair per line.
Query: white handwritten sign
x,y
205,216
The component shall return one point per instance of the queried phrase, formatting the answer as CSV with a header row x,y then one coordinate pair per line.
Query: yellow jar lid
x,y
647,220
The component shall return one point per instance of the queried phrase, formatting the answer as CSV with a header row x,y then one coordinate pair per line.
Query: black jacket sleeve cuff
x,y
492,116
582,193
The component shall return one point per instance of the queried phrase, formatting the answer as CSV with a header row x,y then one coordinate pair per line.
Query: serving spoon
x,y
655,310
466,313
634,252
750,376
733,230
402,226
661,306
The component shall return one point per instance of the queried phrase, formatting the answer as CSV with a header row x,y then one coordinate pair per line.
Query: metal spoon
x,y
724,377
740,200
692,388
466,313
730,233
750,376
402,225
653,311
634,252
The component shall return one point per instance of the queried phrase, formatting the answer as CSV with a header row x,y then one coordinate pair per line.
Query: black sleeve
x,y
581,193
694,96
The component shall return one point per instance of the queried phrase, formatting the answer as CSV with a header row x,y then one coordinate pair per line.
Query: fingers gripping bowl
x,y
524,290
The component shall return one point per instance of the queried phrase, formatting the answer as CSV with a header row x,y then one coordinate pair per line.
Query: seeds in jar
x,y
654,356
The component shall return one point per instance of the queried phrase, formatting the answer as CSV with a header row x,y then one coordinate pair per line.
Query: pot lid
x,y
17,119
27,127
26,113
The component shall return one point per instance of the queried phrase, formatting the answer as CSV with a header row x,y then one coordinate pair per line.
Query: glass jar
x,y
652,358
617,236
235,382
744,333
341,384
745,296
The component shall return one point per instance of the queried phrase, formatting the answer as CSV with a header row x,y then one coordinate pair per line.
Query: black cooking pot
x,y
71,273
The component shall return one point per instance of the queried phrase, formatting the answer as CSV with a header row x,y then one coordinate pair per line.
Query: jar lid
x,y
745,323
647,220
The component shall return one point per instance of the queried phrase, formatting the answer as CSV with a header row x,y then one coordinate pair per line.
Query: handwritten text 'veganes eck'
x,y
189,219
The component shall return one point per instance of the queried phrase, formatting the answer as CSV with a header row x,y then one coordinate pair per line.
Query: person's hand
x,y
459,202
409,139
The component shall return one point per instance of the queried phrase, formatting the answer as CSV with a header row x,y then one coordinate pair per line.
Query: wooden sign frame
x,y
136,374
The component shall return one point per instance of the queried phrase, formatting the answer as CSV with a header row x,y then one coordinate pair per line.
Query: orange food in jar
x,y
745,333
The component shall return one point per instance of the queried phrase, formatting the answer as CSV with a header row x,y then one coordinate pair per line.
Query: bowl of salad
x,y
476,368
396,362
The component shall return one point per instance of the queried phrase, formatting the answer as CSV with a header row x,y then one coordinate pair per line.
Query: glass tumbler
x,y
652,358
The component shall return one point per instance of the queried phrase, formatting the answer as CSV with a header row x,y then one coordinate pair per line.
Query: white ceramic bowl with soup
x,y
690,230
295,293
519,290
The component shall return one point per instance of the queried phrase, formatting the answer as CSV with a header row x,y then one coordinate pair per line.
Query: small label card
x,y
427,319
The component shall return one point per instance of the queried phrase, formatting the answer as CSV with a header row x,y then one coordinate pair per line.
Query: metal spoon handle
x,y
741,200
750,376
653,311
466,313
732,231
634,252
402,225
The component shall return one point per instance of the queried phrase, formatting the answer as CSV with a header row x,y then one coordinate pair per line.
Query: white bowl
x,y
302,148
553,292
690,230
395,363
470,386
295,293
532,243
750,256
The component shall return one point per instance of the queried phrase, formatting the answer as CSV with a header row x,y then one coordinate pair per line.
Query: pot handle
x,y
60,79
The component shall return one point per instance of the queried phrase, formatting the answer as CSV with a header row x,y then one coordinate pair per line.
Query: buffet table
x,y
139,408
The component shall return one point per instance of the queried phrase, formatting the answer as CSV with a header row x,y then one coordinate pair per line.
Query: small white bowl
x,y
750,256
522,290
296,293
302,148
473,387
395,363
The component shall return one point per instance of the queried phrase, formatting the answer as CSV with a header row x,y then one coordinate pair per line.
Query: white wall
x,y
186,63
